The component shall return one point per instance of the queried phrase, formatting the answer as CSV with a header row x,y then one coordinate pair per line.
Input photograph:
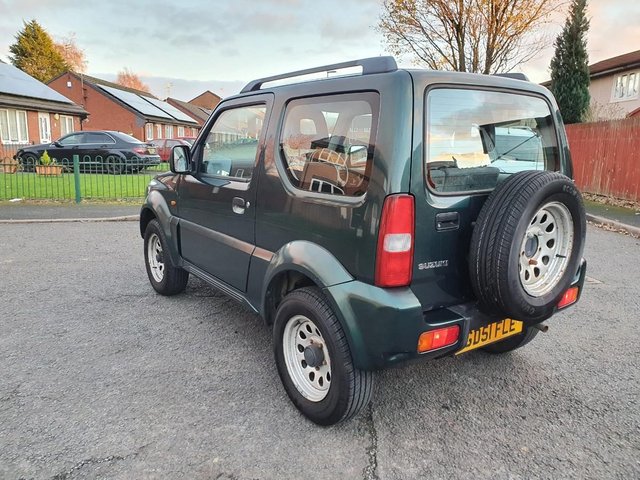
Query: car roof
x,y
388,66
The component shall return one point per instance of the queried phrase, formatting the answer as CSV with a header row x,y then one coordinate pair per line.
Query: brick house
x,y
199,114
114,107
208,100
31,112
615,85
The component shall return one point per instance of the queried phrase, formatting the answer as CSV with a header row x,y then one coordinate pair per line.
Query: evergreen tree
x,y
35,53
570,65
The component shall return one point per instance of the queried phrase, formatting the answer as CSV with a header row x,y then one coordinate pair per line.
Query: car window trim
x,y
318,197
265,99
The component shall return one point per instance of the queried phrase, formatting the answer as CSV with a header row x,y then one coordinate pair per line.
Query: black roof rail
x,y
369,66
514,75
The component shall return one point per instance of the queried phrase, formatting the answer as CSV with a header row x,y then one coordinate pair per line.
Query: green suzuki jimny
x,y
373,215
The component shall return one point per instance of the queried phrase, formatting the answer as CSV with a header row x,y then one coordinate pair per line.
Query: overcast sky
x,y
221,44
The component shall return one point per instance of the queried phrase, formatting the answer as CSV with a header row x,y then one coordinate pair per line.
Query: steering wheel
x,y
338,160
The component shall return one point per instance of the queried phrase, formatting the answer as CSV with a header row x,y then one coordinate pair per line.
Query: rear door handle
x,y
238,205
447,221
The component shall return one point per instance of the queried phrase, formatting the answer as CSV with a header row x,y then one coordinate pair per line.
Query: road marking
x,y
591,280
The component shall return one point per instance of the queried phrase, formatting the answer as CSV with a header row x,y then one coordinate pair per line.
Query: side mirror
x,y
56,144
180,159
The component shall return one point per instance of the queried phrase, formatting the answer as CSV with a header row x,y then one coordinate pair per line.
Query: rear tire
x,y
165,278
512,343
527,245
314,360
114,164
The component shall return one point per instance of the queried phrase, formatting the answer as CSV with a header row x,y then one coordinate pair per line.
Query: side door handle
x,y
447,221
238,205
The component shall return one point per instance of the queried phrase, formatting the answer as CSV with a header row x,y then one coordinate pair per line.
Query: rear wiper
x,y
513,148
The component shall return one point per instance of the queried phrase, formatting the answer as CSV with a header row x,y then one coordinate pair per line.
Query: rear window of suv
x,y
476,138
327,143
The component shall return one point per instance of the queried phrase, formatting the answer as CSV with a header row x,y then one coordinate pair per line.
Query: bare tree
x,y
127,78
72,54
481,36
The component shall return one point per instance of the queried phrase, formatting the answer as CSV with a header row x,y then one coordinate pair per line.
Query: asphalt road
x,y
102,378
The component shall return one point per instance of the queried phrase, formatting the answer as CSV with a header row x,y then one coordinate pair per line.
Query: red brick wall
x,y
104,113
606,157
33,132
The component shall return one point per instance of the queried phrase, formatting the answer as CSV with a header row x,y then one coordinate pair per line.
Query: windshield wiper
x,y
535,135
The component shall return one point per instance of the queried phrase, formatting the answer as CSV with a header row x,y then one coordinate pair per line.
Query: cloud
x,y
246,39
181,88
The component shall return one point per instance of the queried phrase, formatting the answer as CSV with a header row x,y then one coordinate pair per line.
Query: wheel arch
x,y
299,264
156,208
146,215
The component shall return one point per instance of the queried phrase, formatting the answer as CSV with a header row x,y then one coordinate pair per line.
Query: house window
x,y
66,125
44,127
168,131
626,86
158,131
181,131
149,131
13,126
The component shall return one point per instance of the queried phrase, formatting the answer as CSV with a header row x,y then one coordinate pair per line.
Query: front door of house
x,y
44,125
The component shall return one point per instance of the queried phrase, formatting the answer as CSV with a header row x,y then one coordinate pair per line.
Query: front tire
x,y
29,162
165,278
314,360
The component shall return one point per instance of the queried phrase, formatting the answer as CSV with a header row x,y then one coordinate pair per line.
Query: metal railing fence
x,y
77,178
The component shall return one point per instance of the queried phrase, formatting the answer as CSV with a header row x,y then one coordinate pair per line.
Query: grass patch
x,y
92,186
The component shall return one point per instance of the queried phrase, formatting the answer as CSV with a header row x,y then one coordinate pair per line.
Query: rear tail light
x,y
569,298
440,338
140,150
394,259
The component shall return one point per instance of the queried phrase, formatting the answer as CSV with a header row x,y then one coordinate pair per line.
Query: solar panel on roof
x,y
136,102
14,81
170,109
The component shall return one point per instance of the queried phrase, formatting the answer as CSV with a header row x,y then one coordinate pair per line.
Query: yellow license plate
x,y
152,150
492,333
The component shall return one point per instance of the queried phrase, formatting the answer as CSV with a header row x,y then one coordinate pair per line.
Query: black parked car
x,y
99,151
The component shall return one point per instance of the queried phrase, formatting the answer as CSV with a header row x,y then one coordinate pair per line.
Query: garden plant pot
x,y
50,170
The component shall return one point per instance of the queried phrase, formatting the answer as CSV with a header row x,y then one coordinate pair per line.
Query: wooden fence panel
x,y
606,157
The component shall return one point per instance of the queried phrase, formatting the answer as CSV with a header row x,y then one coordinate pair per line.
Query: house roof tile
x,y
200,114
18,89
141,103
628,60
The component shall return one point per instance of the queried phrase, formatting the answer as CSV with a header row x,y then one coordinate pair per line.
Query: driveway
x,y
101,377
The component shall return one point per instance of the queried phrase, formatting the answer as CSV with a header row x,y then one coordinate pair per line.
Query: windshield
x,y
476,138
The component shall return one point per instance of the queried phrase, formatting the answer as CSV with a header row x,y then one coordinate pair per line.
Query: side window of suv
x,y
232,143
327,143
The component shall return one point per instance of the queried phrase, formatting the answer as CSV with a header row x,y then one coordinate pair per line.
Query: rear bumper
x,y
383,325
